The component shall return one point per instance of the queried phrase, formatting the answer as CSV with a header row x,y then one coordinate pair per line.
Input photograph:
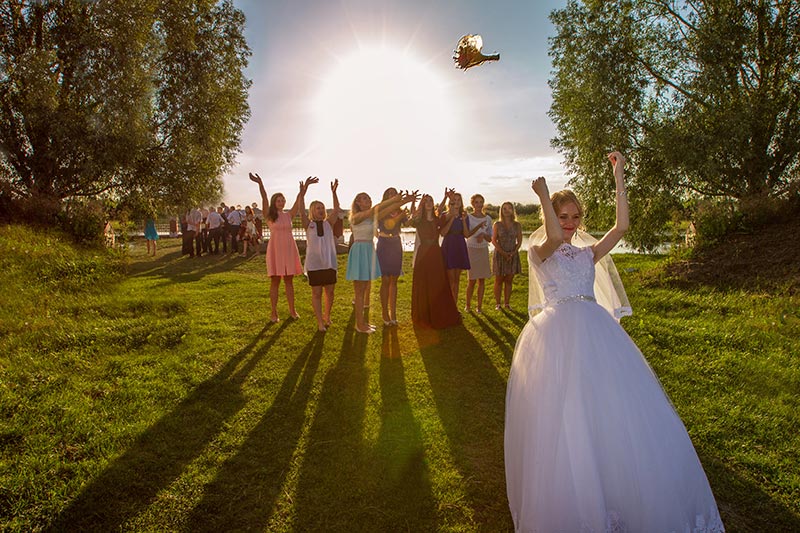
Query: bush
x,y
84,221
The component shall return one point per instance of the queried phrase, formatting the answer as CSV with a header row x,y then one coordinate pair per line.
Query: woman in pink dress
x,y
283,259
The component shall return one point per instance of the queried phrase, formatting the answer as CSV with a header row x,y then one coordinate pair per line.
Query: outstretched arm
x,y
610,239
555,236
264,198
337,208
299,202
384,208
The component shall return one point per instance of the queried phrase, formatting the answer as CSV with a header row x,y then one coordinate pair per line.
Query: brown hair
x,y
513,211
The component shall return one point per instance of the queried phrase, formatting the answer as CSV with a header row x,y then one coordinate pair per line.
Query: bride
x,y
592,443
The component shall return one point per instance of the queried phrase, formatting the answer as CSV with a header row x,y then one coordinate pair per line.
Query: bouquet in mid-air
x,y
468,52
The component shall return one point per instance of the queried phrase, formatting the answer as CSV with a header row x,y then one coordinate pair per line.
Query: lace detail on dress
x,y
568,273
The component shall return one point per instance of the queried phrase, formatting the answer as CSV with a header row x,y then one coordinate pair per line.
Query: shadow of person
x,y
390,344
400,474
504,339
244,492
133,480
333,482
469,394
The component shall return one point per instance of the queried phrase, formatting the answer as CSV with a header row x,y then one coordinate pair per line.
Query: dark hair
x,y
388,193
272,212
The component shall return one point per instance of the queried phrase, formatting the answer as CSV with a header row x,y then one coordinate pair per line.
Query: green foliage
x,y
132,102
702,97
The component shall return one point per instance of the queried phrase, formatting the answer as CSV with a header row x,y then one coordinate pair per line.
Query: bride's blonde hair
x,y
562,198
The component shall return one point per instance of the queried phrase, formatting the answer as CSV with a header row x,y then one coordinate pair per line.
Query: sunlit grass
x,y
158,398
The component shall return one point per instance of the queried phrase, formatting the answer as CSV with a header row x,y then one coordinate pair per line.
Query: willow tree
x,y
701,95
142,99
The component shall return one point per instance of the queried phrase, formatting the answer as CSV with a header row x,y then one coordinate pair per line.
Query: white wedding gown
x,y
592,443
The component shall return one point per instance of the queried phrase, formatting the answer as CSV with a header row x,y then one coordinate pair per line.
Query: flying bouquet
x,y
468,52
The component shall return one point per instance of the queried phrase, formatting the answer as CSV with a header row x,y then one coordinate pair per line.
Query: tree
x,y
703,97
143,101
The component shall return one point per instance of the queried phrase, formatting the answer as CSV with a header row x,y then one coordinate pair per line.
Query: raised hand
x,y
334,185
617,159
539,186
255,177
309,181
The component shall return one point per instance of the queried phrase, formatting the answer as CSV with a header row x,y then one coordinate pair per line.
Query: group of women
x,y
437,269
592,443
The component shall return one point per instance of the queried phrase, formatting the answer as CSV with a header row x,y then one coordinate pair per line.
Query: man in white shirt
x,y
193,222
214,222
234,222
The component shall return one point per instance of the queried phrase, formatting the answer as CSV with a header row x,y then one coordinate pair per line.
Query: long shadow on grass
x,y
470,400
161,453
504,340
341,484
244,492
403,490
175,268
743,504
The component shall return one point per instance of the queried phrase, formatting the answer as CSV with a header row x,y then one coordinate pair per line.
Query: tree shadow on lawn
x,y
346,485
176,268
244,492
470,398
157,457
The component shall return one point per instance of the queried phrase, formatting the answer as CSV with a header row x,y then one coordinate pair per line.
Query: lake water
x,y
408,235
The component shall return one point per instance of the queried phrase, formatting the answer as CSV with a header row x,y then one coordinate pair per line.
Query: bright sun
x,y
382,110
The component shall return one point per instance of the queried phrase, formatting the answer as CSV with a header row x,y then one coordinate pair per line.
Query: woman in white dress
x,y
592,443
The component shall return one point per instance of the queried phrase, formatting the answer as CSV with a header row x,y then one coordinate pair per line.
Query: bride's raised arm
x,y
613,236
555,236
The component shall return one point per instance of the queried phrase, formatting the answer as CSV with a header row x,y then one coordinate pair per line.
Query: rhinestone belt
x,y
577,297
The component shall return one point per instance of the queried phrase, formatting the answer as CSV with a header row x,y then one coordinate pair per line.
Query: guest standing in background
x,y
151,236
321,259
506,238
283,259
432,304
390,256
362,262
478,249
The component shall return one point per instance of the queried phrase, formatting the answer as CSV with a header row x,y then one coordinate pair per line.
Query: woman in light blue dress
x,y
151,235
362,261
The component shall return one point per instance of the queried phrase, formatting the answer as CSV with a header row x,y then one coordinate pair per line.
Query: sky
x,y
366,91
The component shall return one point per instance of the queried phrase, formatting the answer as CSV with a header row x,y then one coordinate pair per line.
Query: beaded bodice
x,y
567,274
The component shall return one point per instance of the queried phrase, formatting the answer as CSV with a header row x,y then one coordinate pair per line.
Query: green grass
x,y
152,395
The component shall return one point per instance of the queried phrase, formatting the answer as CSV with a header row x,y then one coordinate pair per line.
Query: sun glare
x,y
381,110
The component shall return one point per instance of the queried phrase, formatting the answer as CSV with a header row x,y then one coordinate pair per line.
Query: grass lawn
x,y
152,394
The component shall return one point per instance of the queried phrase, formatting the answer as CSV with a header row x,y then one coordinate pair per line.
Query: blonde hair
x,y
513,212
562,198
354,208
311,209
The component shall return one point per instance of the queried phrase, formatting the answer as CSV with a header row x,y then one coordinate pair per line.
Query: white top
x,y
320,251
235,218
486,231
214,220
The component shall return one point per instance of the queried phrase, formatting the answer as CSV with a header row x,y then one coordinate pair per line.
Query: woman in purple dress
x,y
455,230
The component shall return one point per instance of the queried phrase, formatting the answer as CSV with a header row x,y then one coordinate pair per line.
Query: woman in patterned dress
x,y
506,238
